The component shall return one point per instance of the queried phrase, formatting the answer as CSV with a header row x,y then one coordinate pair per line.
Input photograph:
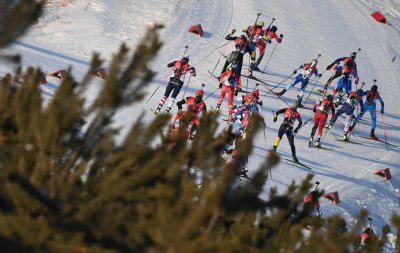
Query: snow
x,y
67,35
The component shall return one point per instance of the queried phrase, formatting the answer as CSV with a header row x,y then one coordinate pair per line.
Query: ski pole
x,y
316,81
222,45
276,86
370,223
220,57
384,130
316,185
187,84
273,51
165,77
211,93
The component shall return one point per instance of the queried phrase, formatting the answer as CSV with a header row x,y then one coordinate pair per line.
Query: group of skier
x,y
253,37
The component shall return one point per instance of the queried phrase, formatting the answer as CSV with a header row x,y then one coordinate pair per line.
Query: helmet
x,y
329,97
185,58
374,87
353,55
256,93
199,93
273,29
245,30
314,63
260,24
296,104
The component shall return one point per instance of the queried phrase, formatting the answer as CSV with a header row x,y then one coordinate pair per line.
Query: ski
x,y
244,175
258,80
219,112
153,111
313,146
299,163
379,140
349,141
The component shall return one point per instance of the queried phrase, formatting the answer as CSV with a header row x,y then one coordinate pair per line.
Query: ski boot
x,y
294,157
218,107
373,136
244,171
157,110
345,136
352,127
318,142
168,109
328,127
280,94
323,91
310,140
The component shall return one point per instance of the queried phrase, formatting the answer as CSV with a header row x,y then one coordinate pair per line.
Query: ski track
x,y
332,28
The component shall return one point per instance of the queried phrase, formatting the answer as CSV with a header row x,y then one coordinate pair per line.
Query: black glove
x,y
236,93
382,111
356,82
180,103
296,130
329,67
294,71
220,85
260,103
233,31
319,75
281,36
314,110
275,118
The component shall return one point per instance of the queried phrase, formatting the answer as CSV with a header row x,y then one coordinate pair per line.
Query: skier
x,y
254,33
309,70
365,236
238,122
268,35
180,68
348,107
252,101
321,110
348,71
236,57
229,82
311,205
370,105
195,106
290,116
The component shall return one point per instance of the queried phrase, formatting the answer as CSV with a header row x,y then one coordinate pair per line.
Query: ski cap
x,y
199,93
256,93
314,63
274,29
353,55
185,58
261,23
329,97
296,104
374,87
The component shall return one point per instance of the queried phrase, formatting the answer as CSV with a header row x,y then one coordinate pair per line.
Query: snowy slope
x,y
66,36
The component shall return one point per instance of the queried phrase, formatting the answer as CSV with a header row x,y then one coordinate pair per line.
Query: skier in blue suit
x,y
370,105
